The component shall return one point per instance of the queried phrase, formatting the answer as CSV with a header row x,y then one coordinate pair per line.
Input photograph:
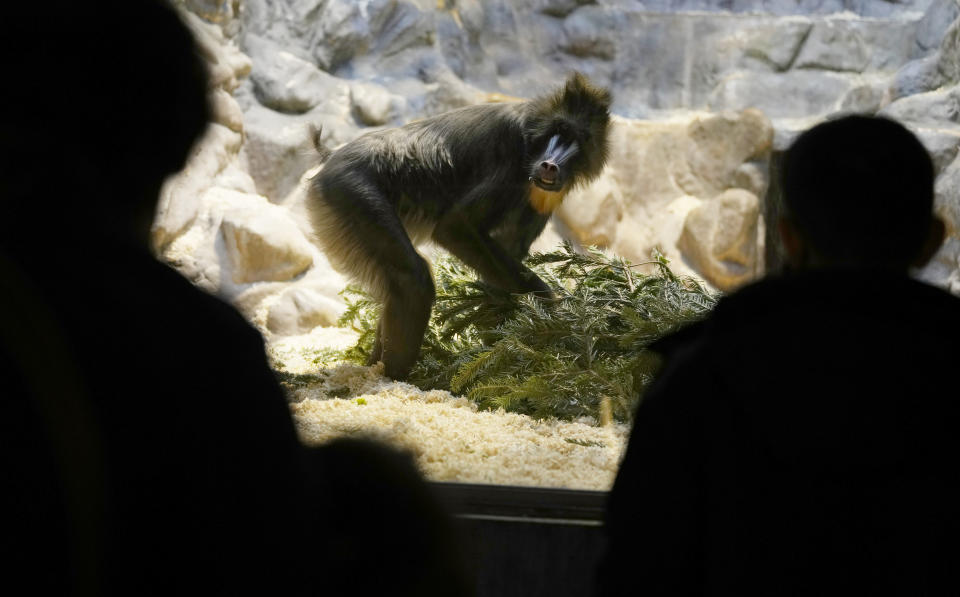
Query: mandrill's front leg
x,y
457,234
519,229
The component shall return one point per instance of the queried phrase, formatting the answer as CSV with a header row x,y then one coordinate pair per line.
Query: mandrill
x,y
480,181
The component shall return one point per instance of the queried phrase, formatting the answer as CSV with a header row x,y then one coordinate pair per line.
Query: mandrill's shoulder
x,y
468,134
473,120
466,140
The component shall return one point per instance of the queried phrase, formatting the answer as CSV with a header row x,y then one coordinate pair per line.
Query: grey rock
x,y
500,21
949,53
372,104
344,30
299,310
419,83
834,45
245,95
284,82
715,47
792,94
337,31
865,8
448,93
453,43
404,27
941,142
886,8
778,44
866,98
278,148
514,47
934,108
917,76
944,269
889,43
646,75
472,16
947,198
705,49
933,26
786,131
558,8
290,23
588,32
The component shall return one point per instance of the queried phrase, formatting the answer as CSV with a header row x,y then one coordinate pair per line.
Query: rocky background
x,y
707,92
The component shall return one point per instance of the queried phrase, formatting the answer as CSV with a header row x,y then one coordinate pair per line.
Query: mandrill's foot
x,y
537,286
544,293
376,352
376,356
396,372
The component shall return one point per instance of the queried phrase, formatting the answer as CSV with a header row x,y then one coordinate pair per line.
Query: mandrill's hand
x,y
537,286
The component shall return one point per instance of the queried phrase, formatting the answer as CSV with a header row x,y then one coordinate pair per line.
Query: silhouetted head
x,y
102,101
567,140
378,507
858,191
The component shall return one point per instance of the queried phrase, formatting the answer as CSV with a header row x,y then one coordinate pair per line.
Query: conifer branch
x,y
582,354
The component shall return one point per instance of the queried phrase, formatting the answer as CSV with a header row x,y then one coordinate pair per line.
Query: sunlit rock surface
x,y
179,204
944,269
662,171
263,244
297,310
720,238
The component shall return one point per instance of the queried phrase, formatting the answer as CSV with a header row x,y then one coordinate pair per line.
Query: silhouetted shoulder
x,y
195,430
804,410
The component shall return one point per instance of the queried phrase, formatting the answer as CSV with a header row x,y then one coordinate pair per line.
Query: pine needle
x,y
582,354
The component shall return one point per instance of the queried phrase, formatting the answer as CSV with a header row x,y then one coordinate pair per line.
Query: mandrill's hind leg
x,y
364,238
376,353
406,312
403,282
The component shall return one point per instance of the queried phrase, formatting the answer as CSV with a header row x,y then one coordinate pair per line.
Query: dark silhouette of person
x,y
147,446
393,535
802,439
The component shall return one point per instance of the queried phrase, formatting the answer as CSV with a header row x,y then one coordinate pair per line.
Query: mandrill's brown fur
x,y
480,181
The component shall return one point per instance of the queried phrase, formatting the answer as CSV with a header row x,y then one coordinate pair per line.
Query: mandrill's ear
x,y
580,96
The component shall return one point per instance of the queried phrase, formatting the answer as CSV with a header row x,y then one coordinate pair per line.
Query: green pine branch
x,y
583,353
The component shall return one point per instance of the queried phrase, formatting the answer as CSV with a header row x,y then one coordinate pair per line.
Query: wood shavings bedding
x,y
451,439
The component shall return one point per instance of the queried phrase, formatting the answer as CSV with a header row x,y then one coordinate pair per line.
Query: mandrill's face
x,y
567,140
550,171
561,162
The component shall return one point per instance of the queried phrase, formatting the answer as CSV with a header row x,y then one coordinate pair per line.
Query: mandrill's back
x,y
442,156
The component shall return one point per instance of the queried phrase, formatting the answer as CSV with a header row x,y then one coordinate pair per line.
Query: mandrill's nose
x,y
548,172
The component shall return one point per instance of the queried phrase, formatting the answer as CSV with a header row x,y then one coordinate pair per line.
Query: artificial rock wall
x,y
705,92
